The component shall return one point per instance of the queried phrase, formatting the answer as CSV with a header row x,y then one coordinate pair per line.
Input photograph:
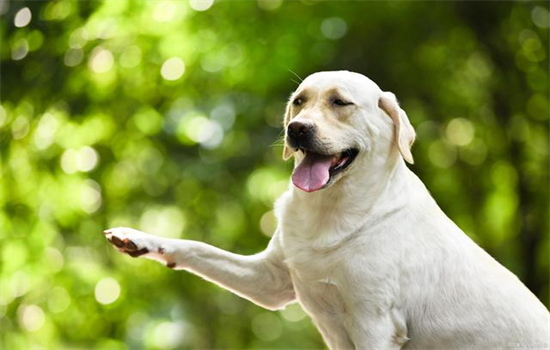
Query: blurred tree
x,y
162,115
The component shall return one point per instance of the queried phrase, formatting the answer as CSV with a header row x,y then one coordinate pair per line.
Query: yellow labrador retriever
x,y
361,244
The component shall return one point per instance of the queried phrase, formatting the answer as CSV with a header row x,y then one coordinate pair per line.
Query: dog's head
x,y
336,120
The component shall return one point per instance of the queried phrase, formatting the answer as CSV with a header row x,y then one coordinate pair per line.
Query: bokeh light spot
x,y
73,57
165,11
87,158
54,260
14,255
165,221
58,300
267,326
78,38
20,128
538,106
148,121
3,7
168,335
22,17
474,153
107,291
90,196
172,69
269,5
136,324
200,129
224,114
213,62
541,17
265,184
130,57
460,131
20,50
201,5
69,161
293,313
211,136
31,317
20,284
268,223
35,40
504,176
6,296
105,29
442,154
101,60
334,28
58,10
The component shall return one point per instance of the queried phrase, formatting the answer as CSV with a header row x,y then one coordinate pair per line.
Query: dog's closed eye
x,y
341,103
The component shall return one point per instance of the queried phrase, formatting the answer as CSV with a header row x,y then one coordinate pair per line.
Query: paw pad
x,y
125,245
117,242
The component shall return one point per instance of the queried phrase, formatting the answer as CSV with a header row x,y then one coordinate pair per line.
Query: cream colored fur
x,y
372,258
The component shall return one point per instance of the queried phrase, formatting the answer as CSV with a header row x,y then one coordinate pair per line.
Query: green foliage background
x,y
93,136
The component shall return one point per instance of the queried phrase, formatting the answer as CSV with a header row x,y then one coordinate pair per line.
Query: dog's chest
x,y
314,247
318,278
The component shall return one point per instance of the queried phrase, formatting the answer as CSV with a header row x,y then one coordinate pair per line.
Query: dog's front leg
x,y
380,330
262,278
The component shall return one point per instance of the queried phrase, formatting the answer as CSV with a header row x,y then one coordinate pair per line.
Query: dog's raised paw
x,y
129,241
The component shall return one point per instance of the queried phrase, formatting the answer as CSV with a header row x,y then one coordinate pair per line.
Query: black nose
x,y
299,131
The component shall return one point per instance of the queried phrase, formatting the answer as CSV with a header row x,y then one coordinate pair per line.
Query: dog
x,y
360,243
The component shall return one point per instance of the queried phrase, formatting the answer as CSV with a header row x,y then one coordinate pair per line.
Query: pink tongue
x,y
312,173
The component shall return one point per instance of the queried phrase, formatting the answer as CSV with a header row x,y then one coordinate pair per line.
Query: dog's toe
x,y
129,245
137,253
117,242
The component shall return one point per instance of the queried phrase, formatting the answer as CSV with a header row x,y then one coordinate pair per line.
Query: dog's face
x,y
335,120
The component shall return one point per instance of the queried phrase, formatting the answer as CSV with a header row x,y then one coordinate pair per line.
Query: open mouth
x,y
342,160
317,170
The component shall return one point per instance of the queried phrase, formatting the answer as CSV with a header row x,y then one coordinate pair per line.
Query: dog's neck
x,y
336,213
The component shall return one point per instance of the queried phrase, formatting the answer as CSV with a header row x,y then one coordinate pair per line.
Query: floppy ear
x,y
404,133
287,152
